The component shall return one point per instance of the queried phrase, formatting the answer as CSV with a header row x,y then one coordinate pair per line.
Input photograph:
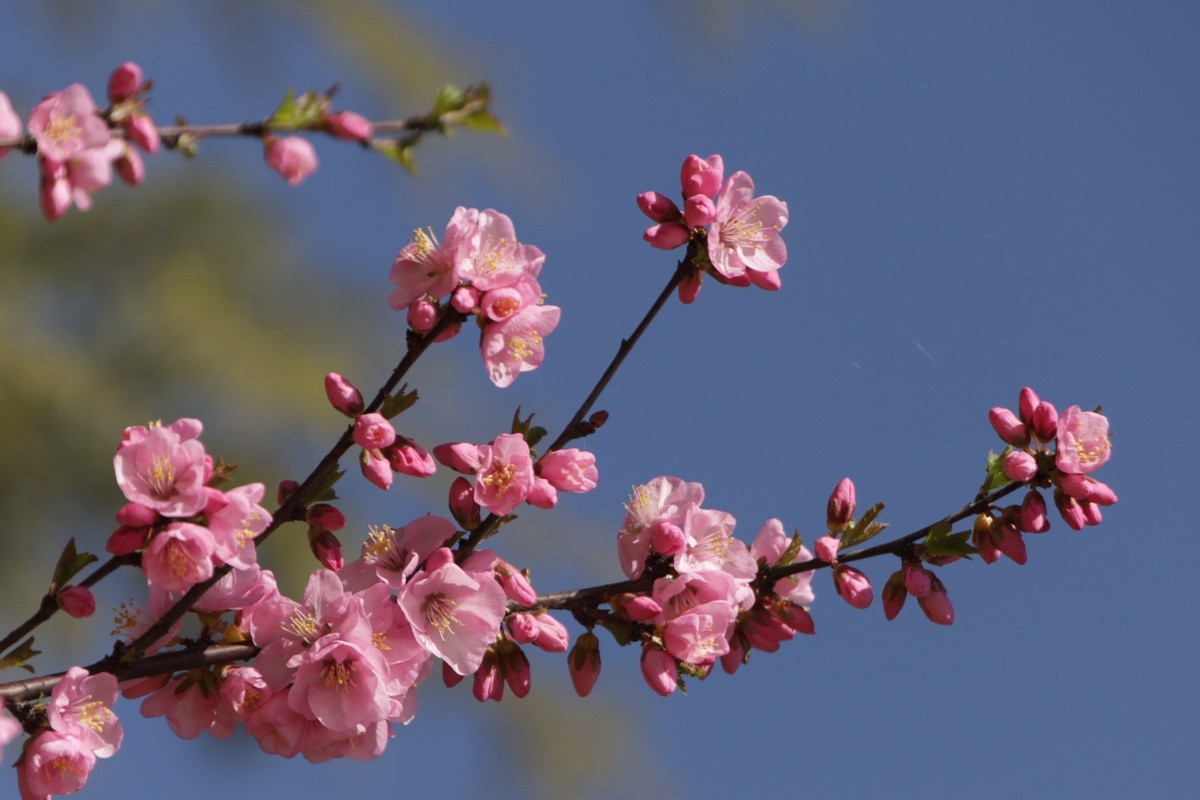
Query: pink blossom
x,y
500,304
505,474
701,176
77,601
54,763
162,470
188,708
492,257
570,470
10,123
663,498
583,662
455,614
81,707
235,524
341,682
1082,444
667,538
373,431
65,124
276,727
124,81
425,266
243,691
348,125
237,589
394,554
698,635
179,557
712,546
516,344
745,232
293,157
689,287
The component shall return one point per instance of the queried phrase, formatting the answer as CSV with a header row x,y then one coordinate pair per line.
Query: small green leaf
x,y
299,113
535,435
941,542
793,550
864,528
486,122
398,403
69,564
995,477
621,632
323,492
19,655
449,98
398,150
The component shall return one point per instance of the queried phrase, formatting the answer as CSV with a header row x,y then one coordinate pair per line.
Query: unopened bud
x,y
667,235
894,595
77,601
659,207
852,586
839,511
463,507
583,663
348,125
1008,427
327,549
124,81
1020,466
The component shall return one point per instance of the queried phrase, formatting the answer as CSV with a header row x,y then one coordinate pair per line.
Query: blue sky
x,y
982,196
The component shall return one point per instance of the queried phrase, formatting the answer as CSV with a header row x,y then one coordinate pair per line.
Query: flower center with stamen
x,y
338,676
63,129
438,611
500,477
161,476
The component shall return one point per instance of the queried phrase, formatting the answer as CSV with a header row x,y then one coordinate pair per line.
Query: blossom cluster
x,y
183,526
1081,445
739,232
79,727
80,145
479,269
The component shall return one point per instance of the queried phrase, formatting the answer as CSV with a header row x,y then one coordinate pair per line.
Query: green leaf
x,y
69,564
941,542
534,435
449,98
995,477
864,529
398,403
398,150
793,550
323,492
486,122
19,655
621,631
299,113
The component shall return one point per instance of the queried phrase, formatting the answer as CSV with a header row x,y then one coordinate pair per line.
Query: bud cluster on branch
x,y
329,674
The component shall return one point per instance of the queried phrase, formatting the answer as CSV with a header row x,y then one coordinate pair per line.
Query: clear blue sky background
x,y
982,196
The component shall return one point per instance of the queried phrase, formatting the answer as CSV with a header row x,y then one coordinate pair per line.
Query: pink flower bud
x,y
489,683
450,678
515,666
839,511
667,538
699,211
343,395
1008,427
1020,466
1091,513
826,548
328,550
658,207
569,470
459,456
1087,489
541,493
667,235
660,670
1026,404
376,469
917,579
894,595
136,515
422,314
143,133
409,458
514,583
125,540
465,299
702,176
326,517
76,601
936,604
795,617
348,125
285,490
1045,422
124,81
10,122
1033,513
636,607
852,586
449,333
1008,540
983,540
689,288
373,432
584,663
463,507
1071,511
130,168
523,627
292,157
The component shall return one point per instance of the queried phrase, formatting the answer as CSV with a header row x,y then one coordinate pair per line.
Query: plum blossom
x,y
1082,444
505,474
55,763
745,231
81,707
515,345
164,467
65,124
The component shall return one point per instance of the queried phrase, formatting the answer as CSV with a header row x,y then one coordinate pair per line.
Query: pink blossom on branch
x,y
1082,444
65,124
745,231
10,123
293,157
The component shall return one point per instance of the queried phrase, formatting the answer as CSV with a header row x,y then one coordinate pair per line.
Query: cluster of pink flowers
x,y
740,232
703,608
506,475
480,269
183,526
77,150
1081,445
80,727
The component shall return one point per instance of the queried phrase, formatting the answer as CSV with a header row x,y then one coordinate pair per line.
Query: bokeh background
x,y
982,196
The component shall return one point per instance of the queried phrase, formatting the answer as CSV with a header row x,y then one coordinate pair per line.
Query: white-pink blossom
x,y
745,232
